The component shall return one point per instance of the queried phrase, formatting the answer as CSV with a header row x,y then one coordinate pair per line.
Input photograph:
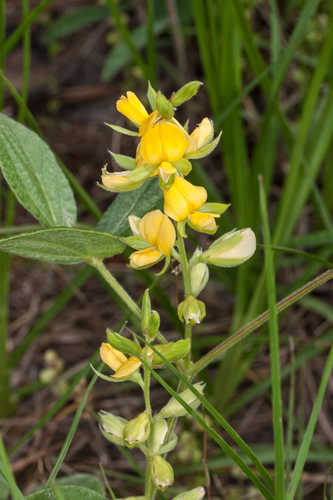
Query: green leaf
x,y
63,245
74,21
138,202
68,492
34,176
88,481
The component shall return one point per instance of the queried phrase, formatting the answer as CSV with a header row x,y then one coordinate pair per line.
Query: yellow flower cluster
x,y
164,150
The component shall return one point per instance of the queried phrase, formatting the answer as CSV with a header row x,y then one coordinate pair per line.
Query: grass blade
x,y
307,439
274,352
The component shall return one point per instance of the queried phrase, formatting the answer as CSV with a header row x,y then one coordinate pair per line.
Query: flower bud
x,y
162,473
196,494
159,432
122,343
112,427
191,311
174,409
132,108
136,431
126,180
146,311
164,106
154,325
231,249
185,93
201,135
199,275
171,351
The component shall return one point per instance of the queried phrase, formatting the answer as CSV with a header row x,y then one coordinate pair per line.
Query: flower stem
x,y
184,264
116,286
149,487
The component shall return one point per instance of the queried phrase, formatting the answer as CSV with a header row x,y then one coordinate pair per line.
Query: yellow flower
x,y
132,108
162,142
183,198
204,222
118,362
157,230
201,135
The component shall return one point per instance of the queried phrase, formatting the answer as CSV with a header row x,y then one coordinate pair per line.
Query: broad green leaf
x,y
68,492
73,21
86,480
138,202
33,174
63,245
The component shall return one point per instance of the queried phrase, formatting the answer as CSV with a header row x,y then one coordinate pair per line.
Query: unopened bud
x,y
159,432
185,93
136,431
171,351
199,275
164,106
232,249
162,473
126,180
146,311
196,494
112,427
191,311
174,409
122,343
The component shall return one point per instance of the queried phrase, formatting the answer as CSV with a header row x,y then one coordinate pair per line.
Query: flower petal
x,y
111,356
145,258
128,368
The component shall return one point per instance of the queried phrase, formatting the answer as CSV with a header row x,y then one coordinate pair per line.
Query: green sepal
x,y
171,351
183,166
151,94
124,161
122,130
136,242
181,228
123,344
164,106
135,377
205,150
185,93
214,208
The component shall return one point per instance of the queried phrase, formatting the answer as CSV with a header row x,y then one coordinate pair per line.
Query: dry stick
x,y
215,353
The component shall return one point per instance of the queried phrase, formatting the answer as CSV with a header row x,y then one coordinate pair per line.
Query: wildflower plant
x,y
165,149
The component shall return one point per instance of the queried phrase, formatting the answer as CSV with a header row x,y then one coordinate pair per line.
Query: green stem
x,y
215,353
149,487
26,63
184,264
115,285
5,399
